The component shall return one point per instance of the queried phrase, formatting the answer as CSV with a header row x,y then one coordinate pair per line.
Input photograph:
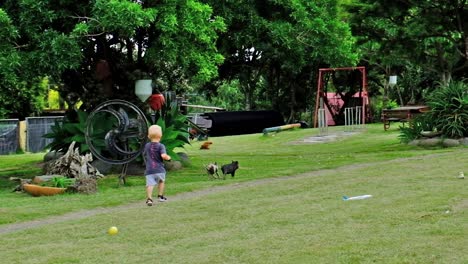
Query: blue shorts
x,y
154,179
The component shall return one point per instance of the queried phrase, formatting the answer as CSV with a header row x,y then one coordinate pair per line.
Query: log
x,y
73,165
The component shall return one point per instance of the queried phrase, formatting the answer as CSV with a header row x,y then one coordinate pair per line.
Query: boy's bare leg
x,y
161,188
149,195
161,197
149,192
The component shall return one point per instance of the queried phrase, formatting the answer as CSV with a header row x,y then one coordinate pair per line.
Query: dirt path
x,y
184,196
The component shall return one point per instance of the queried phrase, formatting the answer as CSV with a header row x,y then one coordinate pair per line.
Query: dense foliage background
x,y
259,54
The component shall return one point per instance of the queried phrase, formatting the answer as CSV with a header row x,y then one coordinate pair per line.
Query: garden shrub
x,y
448,114
449,109
73,128
174,126
413,131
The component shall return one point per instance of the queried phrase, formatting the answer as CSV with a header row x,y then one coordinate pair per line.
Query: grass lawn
x,y
417,213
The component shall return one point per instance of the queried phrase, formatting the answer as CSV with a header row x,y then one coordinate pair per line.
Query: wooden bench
x,y
401,114
394,116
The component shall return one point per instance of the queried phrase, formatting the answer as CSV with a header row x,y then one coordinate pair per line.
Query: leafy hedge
x,y
449,109
448,114
174,126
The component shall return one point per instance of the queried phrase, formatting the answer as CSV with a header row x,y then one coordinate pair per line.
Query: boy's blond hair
x,y
154,132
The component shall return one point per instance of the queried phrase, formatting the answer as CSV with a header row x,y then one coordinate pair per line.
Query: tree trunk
x,y
292,104
446,77
399,95
249,85
248,98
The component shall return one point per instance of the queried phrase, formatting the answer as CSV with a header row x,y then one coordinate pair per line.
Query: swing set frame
x,y
321,93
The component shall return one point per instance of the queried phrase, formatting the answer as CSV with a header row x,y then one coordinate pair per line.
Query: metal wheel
x,y
116,132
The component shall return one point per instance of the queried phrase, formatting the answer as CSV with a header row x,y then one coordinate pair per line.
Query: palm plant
x,y
420,123
173,123
174,126
70,130
449,109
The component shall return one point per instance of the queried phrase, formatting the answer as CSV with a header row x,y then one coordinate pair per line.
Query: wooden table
x,y
401,114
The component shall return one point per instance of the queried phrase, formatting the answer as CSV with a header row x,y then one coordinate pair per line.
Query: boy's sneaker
x,y
162,198
149,202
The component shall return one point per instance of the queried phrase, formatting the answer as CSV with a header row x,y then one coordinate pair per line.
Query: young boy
x,y
155,154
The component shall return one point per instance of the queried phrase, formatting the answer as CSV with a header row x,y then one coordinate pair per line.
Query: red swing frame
x,y
320,93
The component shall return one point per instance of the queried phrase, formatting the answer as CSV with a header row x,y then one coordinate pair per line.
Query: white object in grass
x,y
360,197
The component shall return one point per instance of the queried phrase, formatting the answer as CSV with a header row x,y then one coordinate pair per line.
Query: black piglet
x,y
230,169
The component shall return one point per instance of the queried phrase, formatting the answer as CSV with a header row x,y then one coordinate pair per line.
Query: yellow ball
x,y
112,230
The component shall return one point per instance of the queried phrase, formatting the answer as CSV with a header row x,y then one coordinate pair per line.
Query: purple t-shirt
x,y
154,162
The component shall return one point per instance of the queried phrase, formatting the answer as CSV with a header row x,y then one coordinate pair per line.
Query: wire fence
x,y
9,136
36,128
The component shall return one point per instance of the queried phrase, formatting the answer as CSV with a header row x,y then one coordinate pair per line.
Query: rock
x,y
450,142
135,168
22,182
44,178
464,141
184,158
52,155
430,142
84,185
102,167
173,165
414,142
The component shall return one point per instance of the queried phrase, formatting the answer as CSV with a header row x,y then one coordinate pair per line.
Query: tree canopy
x,y
424,42
274,47
92,51
96,50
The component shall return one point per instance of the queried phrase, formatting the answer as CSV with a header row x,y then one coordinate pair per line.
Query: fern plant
x,y
65,132
175,128
420,123
173,123
449,109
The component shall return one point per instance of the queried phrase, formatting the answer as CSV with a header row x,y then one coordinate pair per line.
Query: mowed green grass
x,y
417,213
259,157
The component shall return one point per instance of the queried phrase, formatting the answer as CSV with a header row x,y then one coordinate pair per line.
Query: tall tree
x,y
282,42
96,49
16,95
429,34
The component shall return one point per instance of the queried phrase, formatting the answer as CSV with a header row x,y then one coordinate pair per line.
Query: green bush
x,y
449,109
420,123
172,122
29,98
62,182
448,114
174,126
377,105
69,130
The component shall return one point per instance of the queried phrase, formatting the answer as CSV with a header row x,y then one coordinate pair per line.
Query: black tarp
x,y
242,122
